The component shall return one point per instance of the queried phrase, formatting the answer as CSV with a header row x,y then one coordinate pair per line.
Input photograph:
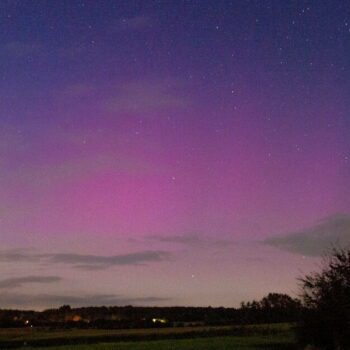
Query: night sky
x,y
170,152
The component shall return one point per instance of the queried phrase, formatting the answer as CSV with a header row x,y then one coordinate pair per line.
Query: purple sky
x,y
170,153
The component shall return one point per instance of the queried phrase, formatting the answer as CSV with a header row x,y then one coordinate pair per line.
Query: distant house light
x,y
159,320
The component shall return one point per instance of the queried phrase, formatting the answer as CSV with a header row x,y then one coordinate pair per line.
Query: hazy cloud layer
x,y
20,281
316,240
49,300
86,261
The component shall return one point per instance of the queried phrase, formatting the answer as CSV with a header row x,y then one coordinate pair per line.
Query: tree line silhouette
x,y
271,309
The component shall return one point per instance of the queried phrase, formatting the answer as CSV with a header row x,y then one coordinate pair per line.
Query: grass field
x,y
215,343
201,338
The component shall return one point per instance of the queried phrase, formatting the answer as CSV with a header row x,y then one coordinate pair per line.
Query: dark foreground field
x,y
274,337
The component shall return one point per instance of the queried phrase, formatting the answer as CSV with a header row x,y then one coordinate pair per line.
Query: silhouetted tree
x,y
279,301
65,308
326,296
273,308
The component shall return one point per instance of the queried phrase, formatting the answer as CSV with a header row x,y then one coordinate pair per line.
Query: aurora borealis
x,y
170,152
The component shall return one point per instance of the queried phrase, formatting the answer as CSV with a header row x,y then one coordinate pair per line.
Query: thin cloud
x,y
96,261
86,261
78,90
193,240
147,96
316,240
20,255
20,281
137,23
73,169
20,49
